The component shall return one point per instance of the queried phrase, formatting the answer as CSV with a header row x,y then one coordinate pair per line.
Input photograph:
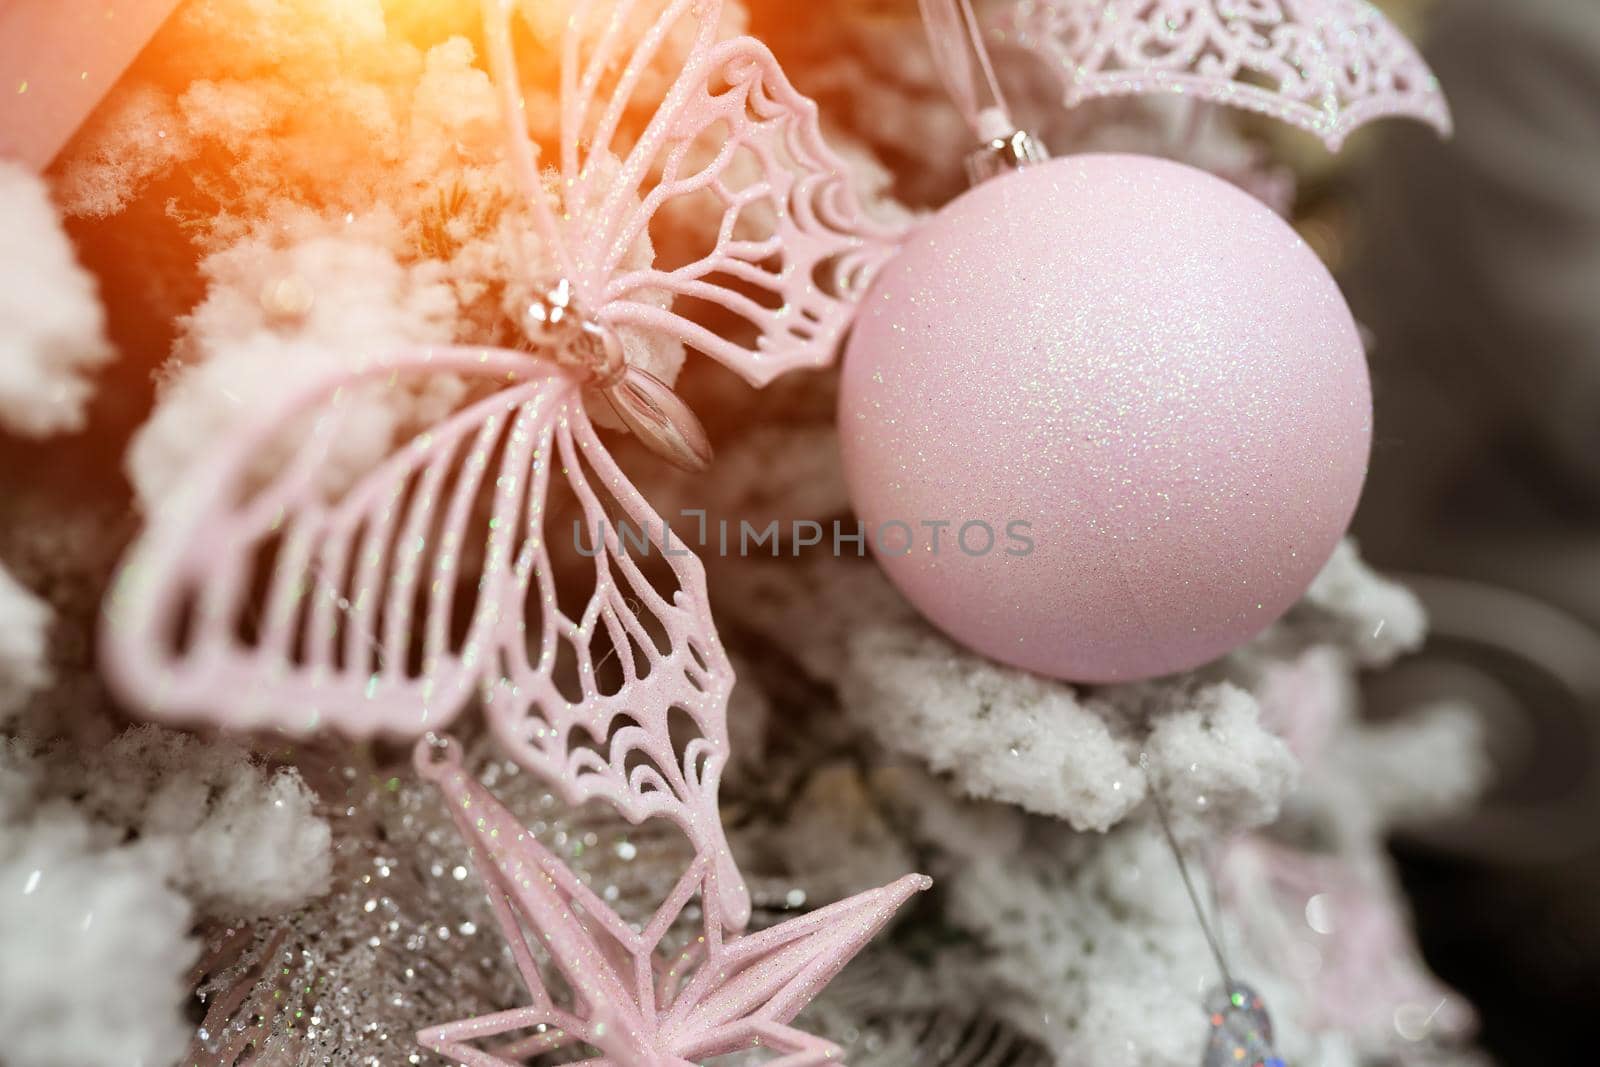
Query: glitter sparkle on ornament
x,y
1241,1029
1139,368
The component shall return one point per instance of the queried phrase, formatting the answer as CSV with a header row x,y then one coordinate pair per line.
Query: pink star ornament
x,y
637,1005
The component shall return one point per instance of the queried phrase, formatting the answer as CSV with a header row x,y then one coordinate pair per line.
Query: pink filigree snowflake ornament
x,y
1326,66
305,578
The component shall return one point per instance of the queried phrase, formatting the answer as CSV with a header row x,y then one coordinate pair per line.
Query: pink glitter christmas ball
x,y
1105,418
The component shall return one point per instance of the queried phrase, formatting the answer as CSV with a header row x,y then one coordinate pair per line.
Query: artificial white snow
x,y
1369,777
1216,764
277,318
1008,735
302,99
1428,765
1095,950
1352,606
1002,734
54,327
136,136
94,947
240,839
245,839
24,626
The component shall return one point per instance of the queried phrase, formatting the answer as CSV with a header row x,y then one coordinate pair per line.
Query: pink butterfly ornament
x,y
267,596
1326,66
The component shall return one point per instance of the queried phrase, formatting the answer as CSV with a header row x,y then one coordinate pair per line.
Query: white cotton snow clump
x,y
275,320
107,859
1217,763
1007,735
24,621
1350,605
246,839
93,948
53,326
1002,734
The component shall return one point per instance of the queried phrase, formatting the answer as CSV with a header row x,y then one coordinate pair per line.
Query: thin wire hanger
x,y
1210,927
968,72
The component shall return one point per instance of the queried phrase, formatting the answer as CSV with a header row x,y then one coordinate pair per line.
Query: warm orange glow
x,y
427,22
58,58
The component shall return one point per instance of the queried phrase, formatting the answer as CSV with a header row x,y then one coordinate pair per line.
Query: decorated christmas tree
x,y
441,620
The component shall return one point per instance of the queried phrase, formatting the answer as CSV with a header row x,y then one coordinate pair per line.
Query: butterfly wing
x,y
730,144
312,574
1327,66
321,573
613,683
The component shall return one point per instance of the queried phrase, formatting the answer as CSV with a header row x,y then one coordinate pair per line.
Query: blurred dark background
x,y
1476,264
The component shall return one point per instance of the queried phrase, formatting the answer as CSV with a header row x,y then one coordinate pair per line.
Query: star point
x,y
635,1006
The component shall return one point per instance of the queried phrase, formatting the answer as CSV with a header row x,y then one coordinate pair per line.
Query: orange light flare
x,y
537,26
427,22
57,59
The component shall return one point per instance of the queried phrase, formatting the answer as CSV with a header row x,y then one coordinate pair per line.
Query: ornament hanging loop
x,y
967,69
436,755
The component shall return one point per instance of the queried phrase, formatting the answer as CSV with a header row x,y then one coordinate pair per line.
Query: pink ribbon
x,y
58,59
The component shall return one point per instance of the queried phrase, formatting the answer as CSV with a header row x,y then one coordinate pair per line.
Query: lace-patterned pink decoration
x,y
428,583
322,571
1327,66
792,248
637,1005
